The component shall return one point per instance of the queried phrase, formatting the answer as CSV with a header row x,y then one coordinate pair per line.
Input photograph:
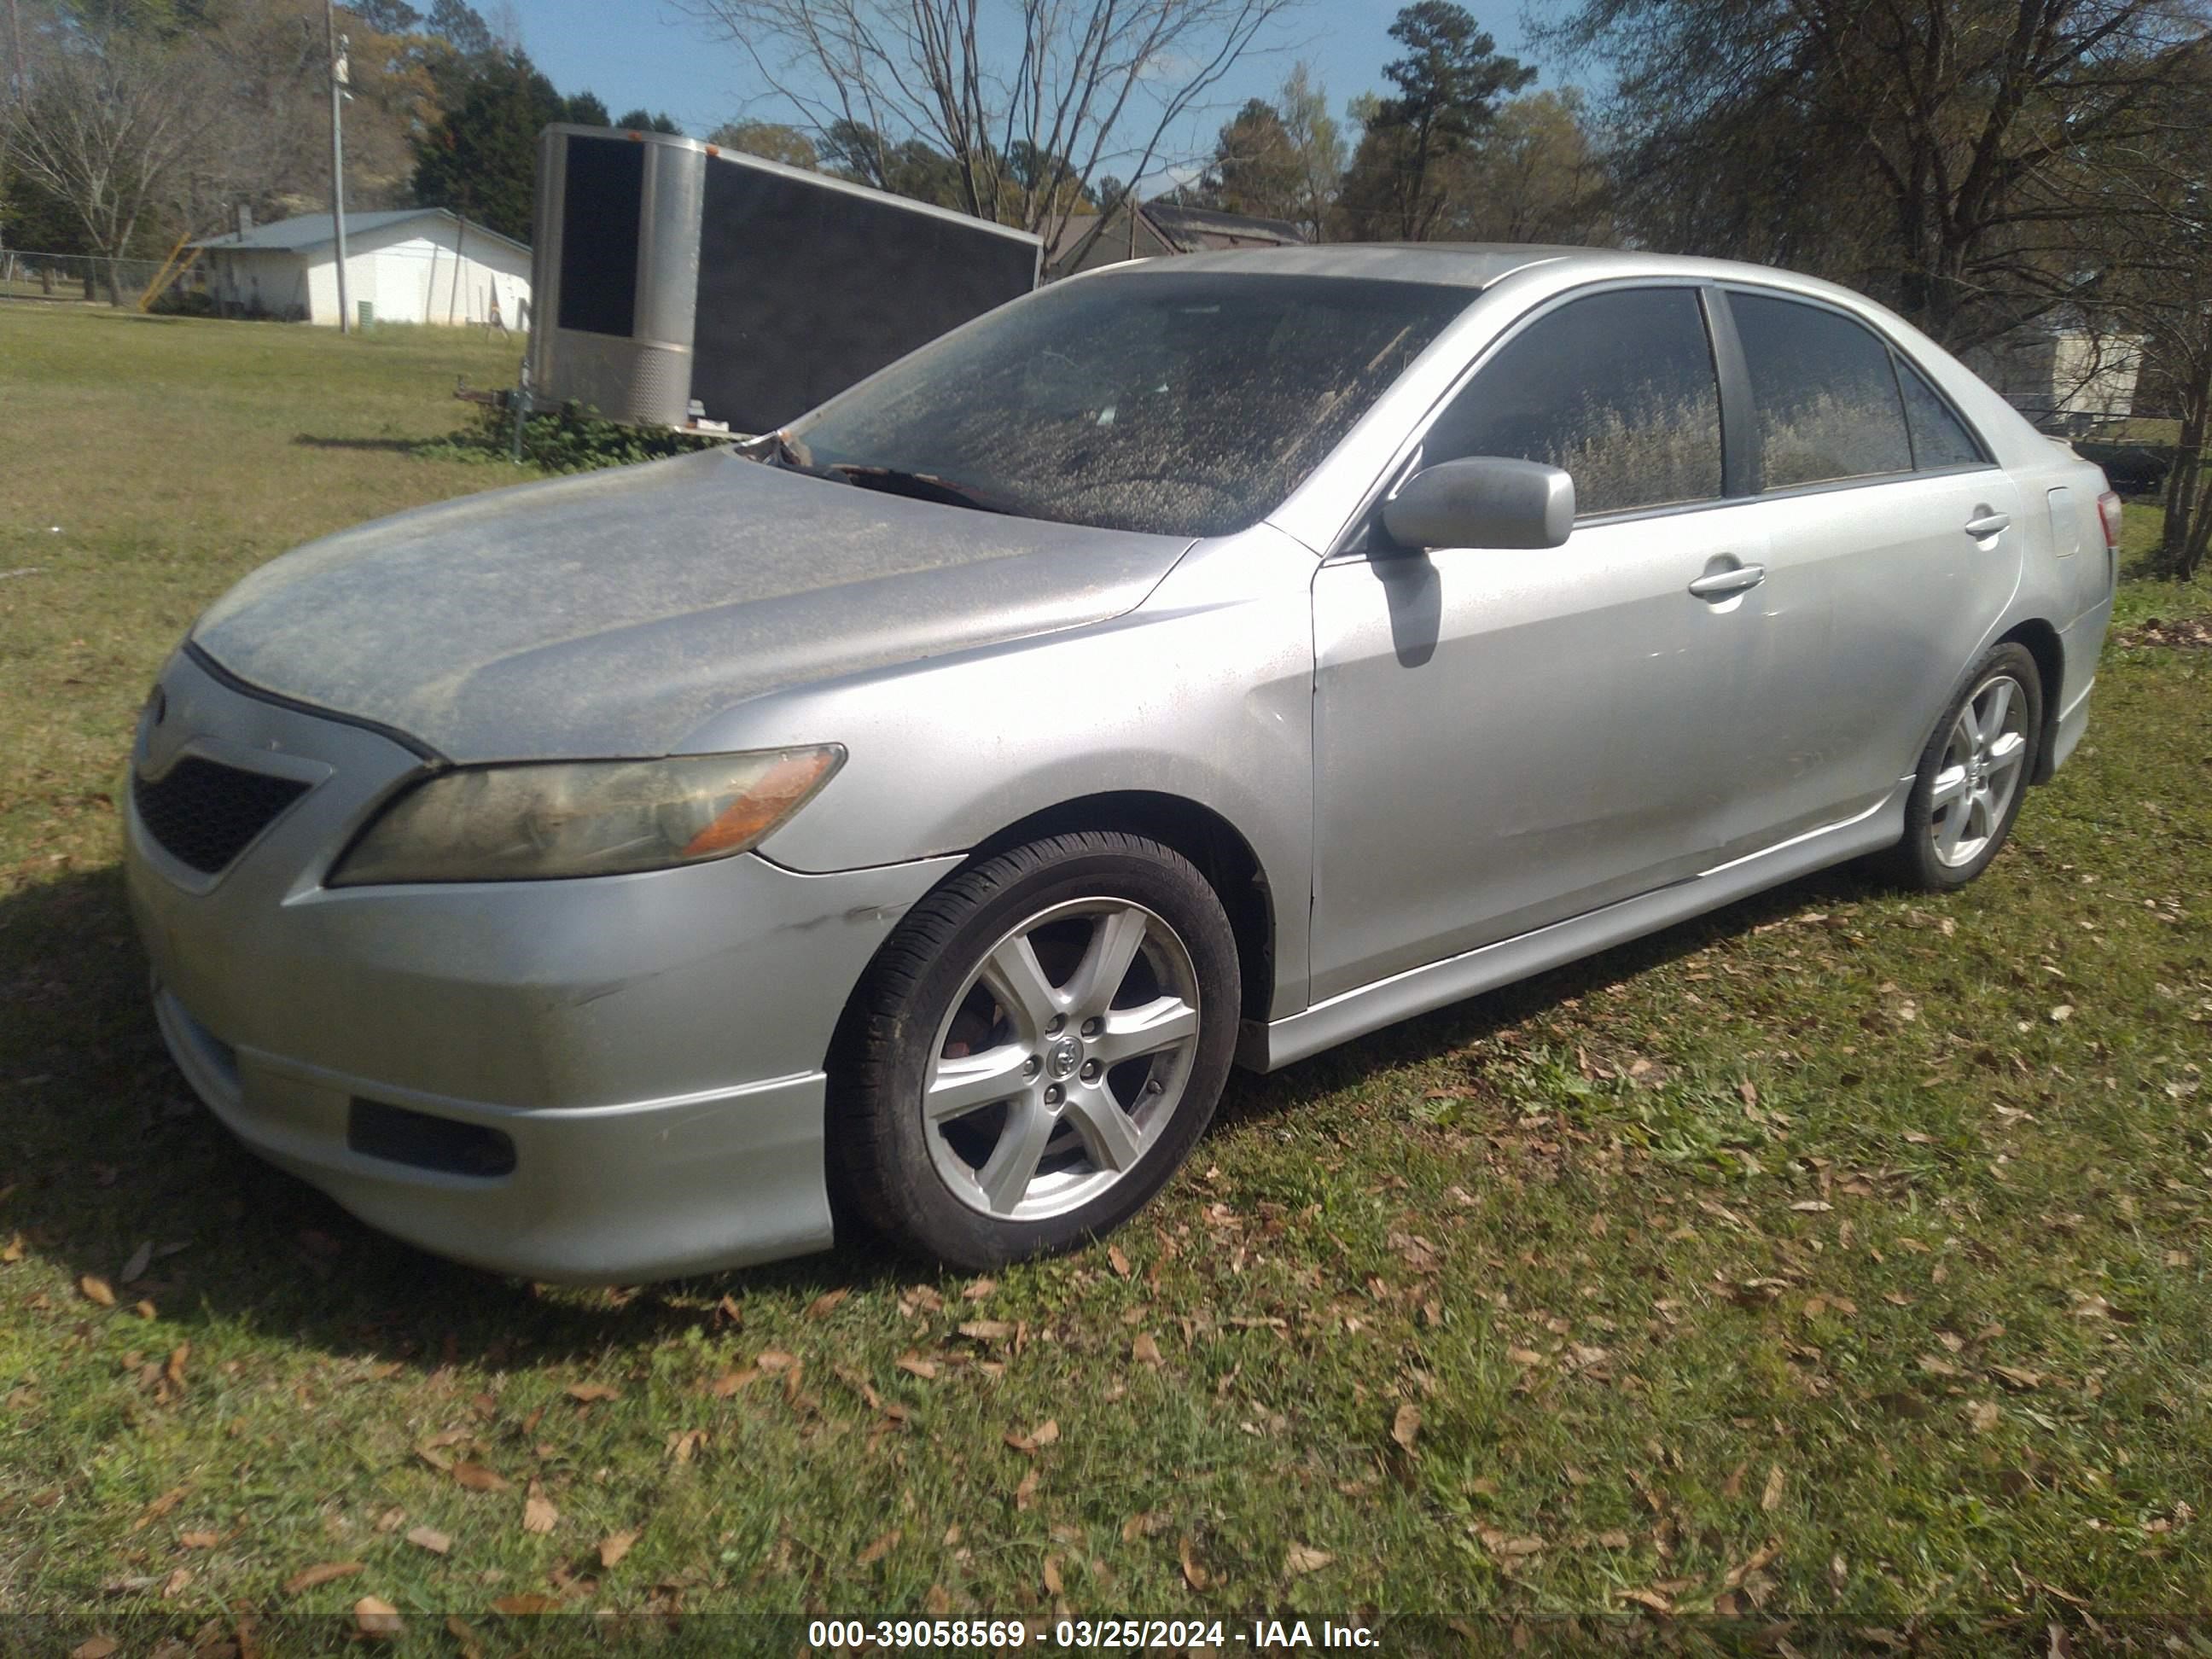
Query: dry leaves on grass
x,y
1053,1582
1118,1261
321,1573
986,1330
615,1546
430,1538
915,1365
477,1478
587,1394
683,1443
1145,1350
141,1258
1194,1574
882,1546
1044,1434
95,1647
377,1618
538,1514
97,1289
1303,1558
197,1540
1406,1426
825,1304
1771,1499
730,1381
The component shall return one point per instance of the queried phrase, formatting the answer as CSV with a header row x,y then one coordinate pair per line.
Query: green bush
x,y
573,439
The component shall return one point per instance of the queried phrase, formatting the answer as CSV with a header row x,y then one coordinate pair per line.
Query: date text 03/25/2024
x,y
1176,1635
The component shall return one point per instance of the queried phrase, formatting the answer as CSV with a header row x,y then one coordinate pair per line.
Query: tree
x,y
1533,174
1447,88
585,110
1316,146
113,122
770,140
1254,169
639,120
1935,152
1098,82
480,157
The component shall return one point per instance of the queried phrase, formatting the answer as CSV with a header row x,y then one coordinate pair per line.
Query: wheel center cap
x,y
1063,1058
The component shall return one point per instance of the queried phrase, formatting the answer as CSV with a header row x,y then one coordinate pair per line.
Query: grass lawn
x,y
1840,1254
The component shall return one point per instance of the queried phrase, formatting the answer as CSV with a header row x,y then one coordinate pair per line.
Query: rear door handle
x,y
1987,522
1719,584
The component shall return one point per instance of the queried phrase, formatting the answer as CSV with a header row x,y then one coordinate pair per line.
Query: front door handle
x,y
1987,522
1719,584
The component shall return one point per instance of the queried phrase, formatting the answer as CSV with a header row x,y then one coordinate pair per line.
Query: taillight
x,y
2108,513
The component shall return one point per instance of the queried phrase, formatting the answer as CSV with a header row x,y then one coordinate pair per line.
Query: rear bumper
x,y
648,1047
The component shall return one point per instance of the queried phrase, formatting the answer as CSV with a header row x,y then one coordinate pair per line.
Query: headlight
x,y
584,817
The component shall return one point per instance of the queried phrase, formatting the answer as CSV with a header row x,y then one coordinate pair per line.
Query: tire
x,y
965,1124
1981,773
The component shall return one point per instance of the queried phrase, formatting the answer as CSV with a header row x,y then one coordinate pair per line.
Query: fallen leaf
x,y
160,1507
1025,1491
775,1359
977,1289
174,1371
914,1364
1771,1499
460,1630
1812,1205
97,1289
1118,1261
2062,1014
986,1330
2015,1377
826,1303
1406,1426
1303,1558
1983,1414
585,1394
430,1538
615,1546
377,1616
730,1381
1614,1540
1143,1524
477,1478
1052,1585
880,1548
683,1443
1733,1486
95,1647
1194,1574
321,1573
538,1514
1646,1598
1144,1350
197,1540
141,1258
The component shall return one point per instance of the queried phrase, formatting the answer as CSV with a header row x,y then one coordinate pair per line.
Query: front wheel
x,y
1037,1049
1973,775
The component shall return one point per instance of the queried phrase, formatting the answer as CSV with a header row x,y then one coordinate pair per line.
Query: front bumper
x,y
650,1047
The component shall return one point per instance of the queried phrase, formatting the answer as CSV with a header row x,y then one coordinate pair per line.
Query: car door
x,y
1506,738
1892,544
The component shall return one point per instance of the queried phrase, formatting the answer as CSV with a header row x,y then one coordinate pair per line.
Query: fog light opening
x,y
427,1142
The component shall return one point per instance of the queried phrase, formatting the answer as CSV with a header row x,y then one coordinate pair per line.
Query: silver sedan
x,y
907,820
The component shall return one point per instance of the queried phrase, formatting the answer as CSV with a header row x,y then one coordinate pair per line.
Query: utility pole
x,y
21,77
337,71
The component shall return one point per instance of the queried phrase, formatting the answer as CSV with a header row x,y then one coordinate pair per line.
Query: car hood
x,y
608,614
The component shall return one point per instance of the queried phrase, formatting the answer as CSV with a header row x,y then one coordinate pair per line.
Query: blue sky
x,y
634,53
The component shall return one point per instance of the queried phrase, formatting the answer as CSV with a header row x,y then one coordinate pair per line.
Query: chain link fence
x,y
80,278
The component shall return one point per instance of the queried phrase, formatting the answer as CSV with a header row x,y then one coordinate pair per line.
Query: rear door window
x,y
1823,391
1619,389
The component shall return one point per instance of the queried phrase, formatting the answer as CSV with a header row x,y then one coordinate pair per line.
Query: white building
x,y
412,266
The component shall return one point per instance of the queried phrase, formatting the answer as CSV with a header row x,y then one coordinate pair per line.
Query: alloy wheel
x,y
1981,771
1065,1054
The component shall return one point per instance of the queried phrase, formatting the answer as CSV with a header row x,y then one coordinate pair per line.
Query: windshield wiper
x,y
922,486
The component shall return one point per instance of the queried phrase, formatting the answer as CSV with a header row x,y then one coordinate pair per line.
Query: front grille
x,y
203,813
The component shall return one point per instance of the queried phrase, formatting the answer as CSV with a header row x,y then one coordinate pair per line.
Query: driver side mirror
x,y
1483,501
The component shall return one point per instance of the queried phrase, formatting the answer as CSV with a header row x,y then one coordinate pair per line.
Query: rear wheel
x,y
1973,775
1037,1049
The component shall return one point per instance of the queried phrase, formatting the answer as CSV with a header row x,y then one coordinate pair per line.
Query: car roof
x,y
1477,265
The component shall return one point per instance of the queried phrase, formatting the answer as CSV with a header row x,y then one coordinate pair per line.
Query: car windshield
x,y
1182,403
